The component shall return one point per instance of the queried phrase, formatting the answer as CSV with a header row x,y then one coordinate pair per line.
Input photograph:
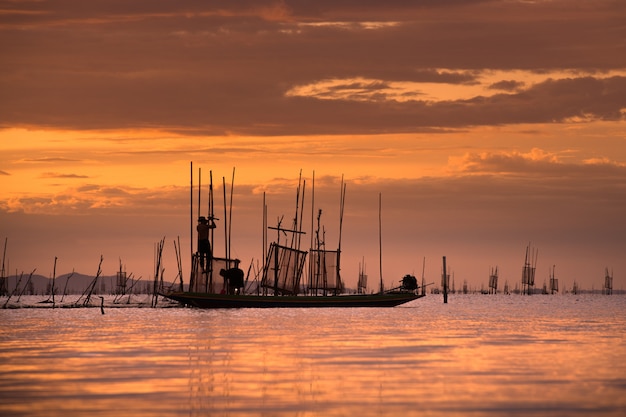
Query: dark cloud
x,y
226,67
507,85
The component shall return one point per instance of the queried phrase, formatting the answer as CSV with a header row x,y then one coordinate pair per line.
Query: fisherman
x,y
233,280
204,246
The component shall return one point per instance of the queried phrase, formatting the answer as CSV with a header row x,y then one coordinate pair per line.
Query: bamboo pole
x,y
311,267
199,191
4,254
230,214
264,233
342,204
226,222
211,217
179,263
191,213
445,282
380,242
25,286
54,274
16,287
91,286
66,282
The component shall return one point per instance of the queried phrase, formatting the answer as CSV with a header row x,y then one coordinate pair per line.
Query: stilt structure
x,y
493,281
608,282
362,283
528,272
554,282
121,281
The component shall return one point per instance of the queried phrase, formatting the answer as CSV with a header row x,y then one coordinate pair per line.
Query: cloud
x,y
507,85
93,199
537,163
50,159
60,175
4,173
219,68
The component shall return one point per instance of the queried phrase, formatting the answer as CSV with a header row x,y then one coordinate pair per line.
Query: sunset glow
x,y
483,126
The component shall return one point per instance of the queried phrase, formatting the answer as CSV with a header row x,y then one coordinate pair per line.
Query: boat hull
x,y
213,301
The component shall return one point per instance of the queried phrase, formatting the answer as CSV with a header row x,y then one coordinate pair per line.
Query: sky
x,y
471,128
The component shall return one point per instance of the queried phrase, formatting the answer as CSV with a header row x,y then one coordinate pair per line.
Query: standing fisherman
x,y
204,246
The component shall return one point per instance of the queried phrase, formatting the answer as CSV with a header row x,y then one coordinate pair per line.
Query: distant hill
x,y
74,283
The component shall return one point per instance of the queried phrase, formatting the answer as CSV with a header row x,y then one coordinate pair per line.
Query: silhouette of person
x,y
233,280
204,247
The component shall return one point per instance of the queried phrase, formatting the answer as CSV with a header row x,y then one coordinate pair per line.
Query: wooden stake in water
x,y
445,282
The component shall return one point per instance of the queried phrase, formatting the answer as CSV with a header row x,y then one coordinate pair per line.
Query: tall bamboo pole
x,y
191,215
311,266
54,274
342,203
199,191
226,222
230,213
264,231
211,216
380,241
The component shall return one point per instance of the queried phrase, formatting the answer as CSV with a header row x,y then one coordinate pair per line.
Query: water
x,y
476,356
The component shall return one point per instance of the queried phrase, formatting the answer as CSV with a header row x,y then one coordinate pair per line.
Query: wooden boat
x,y
214,301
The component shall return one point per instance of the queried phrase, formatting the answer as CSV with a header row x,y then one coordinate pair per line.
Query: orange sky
x,y
485,125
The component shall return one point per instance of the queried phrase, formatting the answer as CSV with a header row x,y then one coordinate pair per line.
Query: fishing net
x,y
324,270
283,269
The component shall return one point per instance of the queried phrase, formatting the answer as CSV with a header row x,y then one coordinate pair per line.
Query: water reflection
x,y
477,355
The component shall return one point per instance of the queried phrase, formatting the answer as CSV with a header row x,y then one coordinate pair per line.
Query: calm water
x,y
476,356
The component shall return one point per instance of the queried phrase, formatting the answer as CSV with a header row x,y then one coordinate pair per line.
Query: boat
x,y
280,283
216,301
